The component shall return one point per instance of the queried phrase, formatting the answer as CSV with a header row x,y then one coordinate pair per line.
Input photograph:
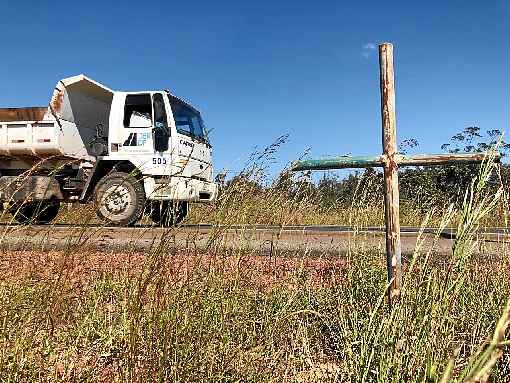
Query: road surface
x,y
264,239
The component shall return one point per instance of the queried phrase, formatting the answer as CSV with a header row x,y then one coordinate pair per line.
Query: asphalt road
x,y
265,239
334,229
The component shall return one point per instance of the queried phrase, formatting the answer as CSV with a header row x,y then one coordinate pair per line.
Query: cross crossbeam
x,y
349,162
390,160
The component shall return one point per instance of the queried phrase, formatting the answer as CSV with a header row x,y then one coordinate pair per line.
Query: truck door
x,y
137,133
193,151
161,129
162,158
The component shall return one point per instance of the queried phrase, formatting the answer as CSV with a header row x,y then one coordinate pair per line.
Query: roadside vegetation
x,y
254,197
224,314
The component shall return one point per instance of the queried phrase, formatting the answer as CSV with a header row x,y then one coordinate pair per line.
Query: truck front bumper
x,y
180,189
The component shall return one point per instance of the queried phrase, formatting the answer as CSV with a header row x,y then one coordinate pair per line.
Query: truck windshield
x,y
187,120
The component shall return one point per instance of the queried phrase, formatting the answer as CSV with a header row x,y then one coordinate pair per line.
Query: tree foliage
x,y
421,188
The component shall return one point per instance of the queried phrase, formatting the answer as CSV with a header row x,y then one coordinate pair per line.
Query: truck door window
x,y
138,111
161,131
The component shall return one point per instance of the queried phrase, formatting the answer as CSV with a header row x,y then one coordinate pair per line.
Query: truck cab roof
x,y
106,93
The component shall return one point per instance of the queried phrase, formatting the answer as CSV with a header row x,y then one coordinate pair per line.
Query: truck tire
x,y
119,199
167,214
46,212
39,213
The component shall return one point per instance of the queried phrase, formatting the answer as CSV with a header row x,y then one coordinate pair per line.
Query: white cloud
x,y
367,50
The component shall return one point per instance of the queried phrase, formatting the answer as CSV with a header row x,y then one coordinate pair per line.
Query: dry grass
x,y
229,315
201,317
254,272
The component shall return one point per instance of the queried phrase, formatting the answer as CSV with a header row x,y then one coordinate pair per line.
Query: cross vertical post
x,y
391,192
390,160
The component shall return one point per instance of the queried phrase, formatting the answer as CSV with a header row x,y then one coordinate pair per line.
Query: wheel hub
x,y
117,198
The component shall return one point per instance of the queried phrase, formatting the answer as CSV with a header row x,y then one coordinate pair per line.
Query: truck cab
x,y
129,152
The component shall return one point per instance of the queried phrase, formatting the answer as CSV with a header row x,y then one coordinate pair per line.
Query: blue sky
x,y
261,69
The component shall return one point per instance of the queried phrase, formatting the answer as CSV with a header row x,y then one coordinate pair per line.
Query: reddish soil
x,y
258,272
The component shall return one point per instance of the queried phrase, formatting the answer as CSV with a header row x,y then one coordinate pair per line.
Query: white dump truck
x,y
128,152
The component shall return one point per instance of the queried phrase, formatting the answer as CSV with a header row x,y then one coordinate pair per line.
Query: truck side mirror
x,y
161,140
139,120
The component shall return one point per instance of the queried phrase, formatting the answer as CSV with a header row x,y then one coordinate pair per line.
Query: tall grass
x,y
224,314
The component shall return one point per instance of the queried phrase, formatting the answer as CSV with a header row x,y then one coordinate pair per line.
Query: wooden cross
x,y
390,160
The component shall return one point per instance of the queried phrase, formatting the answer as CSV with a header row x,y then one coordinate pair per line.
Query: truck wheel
x,y
168,214
120,199
22,212
40,213
160,214
46,212
181,212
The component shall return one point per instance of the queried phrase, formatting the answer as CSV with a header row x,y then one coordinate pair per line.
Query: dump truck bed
x,y
43,138
66,128
35,113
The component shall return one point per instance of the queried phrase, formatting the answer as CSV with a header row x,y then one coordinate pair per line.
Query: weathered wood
x,y
349,162
339,163
443,159
391,195
390,160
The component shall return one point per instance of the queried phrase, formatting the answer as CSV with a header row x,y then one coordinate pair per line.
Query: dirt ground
x,y
269,242
261,272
